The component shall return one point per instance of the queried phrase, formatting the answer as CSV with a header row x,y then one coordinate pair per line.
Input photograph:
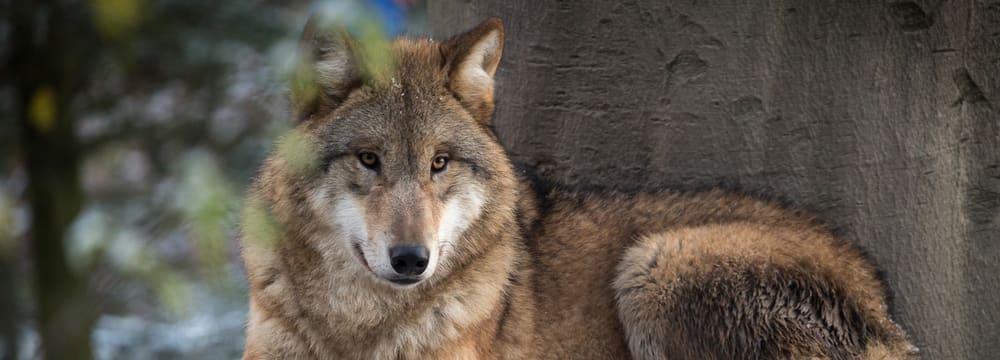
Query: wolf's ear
x,y
325,71
472,59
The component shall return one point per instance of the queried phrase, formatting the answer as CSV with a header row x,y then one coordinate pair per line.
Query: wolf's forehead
x,y
414,104
418,62
395,116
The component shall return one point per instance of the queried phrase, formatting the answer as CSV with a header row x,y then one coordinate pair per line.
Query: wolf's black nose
x,y
408,260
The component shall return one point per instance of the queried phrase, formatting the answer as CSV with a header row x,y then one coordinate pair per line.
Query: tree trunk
x,y
49,65
880,116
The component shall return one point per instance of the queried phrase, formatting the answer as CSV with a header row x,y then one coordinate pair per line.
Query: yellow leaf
x,y
42,109
7,242
115,19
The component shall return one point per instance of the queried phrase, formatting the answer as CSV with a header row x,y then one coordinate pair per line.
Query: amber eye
x,y
368,159
439,163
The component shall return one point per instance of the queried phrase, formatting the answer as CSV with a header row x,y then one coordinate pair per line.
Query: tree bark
x,y
880,116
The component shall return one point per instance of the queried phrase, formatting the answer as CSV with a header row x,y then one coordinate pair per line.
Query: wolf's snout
x,y
408,260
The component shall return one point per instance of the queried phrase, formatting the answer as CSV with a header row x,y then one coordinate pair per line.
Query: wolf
x,y
396,227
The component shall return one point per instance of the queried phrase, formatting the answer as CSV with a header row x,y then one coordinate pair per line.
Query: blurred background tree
x,y
130,130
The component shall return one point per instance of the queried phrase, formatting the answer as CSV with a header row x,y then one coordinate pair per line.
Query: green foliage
x,y
375,54
259,225
298,153
206,200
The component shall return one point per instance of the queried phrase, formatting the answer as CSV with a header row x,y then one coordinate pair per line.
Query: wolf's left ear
x,y
325,71
472,59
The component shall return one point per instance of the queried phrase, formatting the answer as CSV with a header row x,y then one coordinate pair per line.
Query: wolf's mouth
x,y
361,256
404,281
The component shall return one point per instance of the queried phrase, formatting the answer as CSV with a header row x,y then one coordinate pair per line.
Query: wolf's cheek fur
x,y
368,245
346,216
460,211
349,217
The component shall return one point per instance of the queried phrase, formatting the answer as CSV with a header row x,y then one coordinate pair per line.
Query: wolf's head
x,y
409,179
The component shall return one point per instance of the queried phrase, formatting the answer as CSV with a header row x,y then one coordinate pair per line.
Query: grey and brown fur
x,y
519,273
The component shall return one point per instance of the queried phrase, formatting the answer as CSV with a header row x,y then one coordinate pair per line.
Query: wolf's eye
x,y
439,163
368,159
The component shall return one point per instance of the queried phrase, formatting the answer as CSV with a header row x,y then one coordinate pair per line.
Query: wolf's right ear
x,y
472,59
325,71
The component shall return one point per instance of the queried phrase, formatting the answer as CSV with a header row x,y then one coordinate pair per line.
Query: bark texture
x,y
883,117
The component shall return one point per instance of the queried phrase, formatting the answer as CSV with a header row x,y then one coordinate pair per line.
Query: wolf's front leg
x,y
753,291
269,338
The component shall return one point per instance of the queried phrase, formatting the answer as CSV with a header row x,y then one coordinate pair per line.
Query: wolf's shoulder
x,y
672,206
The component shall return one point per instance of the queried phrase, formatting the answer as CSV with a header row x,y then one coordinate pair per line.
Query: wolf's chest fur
x,y
397,228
